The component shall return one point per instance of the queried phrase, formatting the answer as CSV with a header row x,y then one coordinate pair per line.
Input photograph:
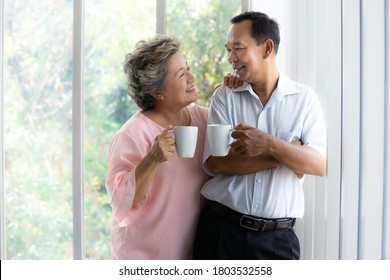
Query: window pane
x,y
37,132
111,31
202,28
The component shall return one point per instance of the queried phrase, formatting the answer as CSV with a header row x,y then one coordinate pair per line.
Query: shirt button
x,y
256,205
258,181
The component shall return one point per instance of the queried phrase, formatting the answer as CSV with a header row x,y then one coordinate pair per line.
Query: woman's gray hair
x,y
146,68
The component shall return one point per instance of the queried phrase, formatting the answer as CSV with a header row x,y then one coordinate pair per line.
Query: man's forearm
x,y
234,164
300,159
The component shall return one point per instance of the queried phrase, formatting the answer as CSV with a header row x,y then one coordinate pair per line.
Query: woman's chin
x,y
193,97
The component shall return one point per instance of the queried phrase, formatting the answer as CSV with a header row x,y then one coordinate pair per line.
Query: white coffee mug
x,y
186,139
219,139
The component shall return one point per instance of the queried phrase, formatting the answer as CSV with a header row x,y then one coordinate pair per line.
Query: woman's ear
x,y
156,95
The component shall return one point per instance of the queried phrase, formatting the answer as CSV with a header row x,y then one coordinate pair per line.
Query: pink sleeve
x,y
123,157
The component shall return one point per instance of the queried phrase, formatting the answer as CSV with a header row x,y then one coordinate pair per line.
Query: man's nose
x,y
232,57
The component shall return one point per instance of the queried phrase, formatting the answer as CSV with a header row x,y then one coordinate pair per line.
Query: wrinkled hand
x,y
230,80
163,146
250,141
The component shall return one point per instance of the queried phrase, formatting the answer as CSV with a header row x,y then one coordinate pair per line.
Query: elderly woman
x,y
154,194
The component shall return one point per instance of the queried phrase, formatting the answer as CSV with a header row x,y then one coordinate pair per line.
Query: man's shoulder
x,y
298,90
227,91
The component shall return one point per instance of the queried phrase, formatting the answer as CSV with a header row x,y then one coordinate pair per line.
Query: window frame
x,y
78,130
2,225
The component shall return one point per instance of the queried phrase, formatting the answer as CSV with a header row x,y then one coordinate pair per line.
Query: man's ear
x,y
269,46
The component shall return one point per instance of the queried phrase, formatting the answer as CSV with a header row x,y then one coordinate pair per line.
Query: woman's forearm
x,y
144,174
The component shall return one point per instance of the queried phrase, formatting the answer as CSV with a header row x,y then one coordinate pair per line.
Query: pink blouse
x,y
163,224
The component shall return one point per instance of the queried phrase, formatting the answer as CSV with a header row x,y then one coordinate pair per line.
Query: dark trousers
x,y
218,238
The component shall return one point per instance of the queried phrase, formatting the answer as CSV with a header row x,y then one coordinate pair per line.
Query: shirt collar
x,y
285,86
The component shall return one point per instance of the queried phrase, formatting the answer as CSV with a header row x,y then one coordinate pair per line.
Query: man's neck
x,y
266,86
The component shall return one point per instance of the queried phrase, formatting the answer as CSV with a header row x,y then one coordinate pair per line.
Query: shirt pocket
x,y
288,136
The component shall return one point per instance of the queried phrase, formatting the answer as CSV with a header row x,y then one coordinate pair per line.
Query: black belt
x,y
250,222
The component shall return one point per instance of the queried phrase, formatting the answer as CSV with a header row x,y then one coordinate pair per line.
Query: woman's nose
x,y
190,77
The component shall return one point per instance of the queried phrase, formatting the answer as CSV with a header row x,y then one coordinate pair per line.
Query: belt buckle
x,y
252,223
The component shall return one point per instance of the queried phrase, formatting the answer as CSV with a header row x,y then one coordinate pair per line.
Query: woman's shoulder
x,y
199,110
199,114
137,124
132,121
